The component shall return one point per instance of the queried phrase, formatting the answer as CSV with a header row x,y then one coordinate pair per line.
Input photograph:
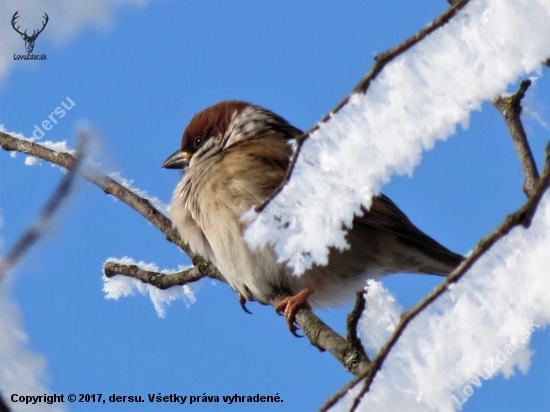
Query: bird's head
x,y
224,125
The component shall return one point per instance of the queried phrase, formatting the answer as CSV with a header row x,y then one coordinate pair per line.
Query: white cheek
x,y
243,125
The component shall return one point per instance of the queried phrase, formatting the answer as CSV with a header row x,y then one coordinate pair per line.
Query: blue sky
x,y
137,82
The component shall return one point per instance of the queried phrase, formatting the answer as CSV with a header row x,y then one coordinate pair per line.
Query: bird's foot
x,y
290,305
242,301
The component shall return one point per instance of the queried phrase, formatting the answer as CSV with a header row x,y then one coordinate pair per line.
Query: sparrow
x,y
234,155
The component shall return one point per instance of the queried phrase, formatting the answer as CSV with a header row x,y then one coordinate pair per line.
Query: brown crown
x,y
211,121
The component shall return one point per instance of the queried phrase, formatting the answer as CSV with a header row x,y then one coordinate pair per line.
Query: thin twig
x,y
510,108
523,216
338,396
380,61
353,320
33,233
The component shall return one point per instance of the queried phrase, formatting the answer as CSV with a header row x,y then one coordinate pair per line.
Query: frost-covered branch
x,y
157,279
419,98
510,108
351,356
523,216
33,233
380,61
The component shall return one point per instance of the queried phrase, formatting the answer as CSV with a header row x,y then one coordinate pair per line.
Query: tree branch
x,y
319,334
510,108
97,177
324,338
353,320
160,280
523,216
380,61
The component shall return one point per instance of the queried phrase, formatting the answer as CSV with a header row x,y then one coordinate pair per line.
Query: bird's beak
x,y
177,160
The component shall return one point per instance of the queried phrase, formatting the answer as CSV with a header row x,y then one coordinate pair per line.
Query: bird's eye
x,y
197,142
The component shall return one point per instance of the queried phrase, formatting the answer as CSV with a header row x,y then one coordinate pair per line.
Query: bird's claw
x,y
242,301
290,305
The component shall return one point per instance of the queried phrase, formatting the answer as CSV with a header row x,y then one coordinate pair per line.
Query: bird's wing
x,y
385,215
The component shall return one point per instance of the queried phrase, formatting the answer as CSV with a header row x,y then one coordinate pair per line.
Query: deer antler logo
x,y
29,40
